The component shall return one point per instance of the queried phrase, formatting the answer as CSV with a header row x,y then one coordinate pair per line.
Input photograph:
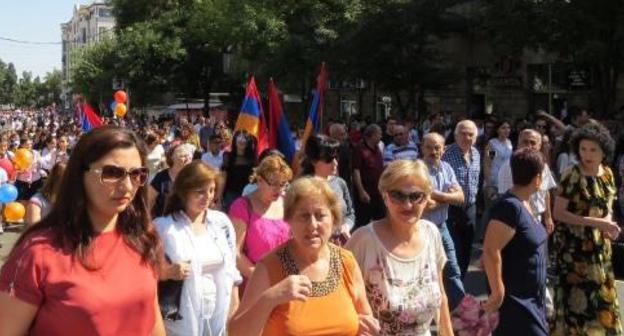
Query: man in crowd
x,y
465,160
446,190
214,155
388,136
367,168
338,132
540,201
402,148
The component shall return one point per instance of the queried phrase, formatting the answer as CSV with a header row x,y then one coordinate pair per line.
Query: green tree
x,y
8,82
579,32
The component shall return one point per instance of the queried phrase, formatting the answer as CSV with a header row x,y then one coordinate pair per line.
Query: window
x,y
104,12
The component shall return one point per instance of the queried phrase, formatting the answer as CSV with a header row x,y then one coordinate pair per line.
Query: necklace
x,y
319,288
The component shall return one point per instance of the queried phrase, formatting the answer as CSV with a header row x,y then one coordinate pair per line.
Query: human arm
x,y
16,316
349,218
152,194
261,298
445,327
454,196
548,219
357,181
245,266
159,326
562,214
234,302
497,236
368,324
487,164
559,127
33,213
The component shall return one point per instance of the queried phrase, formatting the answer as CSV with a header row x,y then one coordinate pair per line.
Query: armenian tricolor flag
x,y
313,124
251,116
88,118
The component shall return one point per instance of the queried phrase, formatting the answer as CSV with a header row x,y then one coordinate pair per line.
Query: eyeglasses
x,y
540,125
110,174
328,158
275,184
400,197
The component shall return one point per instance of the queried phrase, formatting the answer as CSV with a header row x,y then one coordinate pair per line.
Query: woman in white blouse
x,y
401,256
201,245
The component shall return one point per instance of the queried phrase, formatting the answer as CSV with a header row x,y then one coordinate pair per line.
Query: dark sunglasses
x,y
414,197
110,174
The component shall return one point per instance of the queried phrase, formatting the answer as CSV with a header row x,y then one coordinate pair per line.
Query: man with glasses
x,y
402,148
446,190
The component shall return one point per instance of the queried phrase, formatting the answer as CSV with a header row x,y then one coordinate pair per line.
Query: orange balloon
x,y
23,158
120,110
121,96
14,211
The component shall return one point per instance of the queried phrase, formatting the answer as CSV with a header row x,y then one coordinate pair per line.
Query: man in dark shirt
x,y
367,168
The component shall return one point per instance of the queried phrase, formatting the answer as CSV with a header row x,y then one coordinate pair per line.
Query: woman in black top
x,y
514,253
237,167
177,157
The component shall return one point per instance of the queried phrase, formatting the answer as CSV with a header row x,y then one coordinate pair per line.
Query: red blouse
x,y
116,299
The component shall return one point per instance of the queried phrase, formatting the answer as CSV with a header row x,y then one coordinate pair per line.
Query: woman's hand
x,y
607,227
294,287
493,303
180,271
368,325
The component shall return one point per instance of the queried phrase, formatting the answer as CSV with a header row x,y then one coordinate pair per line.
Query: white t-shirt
x,y
154,158
215,161
538,199
405,291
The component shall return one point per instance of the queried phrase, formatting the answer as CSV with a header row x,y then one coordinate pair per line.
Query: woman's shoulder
x,y
35,243
361,236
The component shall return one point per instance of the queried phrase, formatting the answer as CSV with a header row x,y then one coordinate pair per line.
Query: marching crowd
x,y
177,227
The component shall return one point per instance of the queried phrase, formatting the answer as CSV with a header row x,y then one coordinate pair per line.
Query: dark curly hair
x,y
598,133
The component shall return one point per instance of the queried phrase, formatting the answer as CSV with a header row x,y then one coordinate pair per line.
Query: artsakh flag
x,y
313,124
88,118
251,117
279,130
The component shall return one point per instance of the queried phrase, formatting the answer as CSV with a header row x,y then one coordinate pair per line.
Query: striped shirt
x,y
393,152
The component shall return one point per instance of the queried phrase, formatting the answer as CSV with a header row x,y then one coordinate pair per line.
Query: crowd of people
x,y
178,227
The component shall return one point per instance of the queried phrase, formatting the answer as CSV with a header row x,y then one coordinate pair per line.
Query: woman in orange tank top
x,y
307,286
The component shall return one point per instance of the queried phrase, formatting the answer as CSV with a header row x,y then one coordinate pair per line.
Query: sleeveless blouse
x,y
332,313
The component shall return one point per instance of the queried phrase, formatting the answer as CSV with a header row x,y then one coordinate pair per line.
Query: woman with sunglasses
x,y
321,160
259,217
177,157
401,256
237,168
201,245
90,267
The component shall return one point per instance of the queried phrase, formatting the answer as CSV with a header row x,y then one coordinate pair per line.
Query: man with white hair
x,y
465,160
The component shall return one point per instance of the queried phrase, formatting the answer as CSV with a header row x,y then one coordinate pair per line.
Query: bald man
x,y
446,190
540,201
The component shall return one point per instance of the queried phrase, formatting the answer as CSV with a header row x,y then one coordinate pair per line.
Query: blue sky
x,y
34,20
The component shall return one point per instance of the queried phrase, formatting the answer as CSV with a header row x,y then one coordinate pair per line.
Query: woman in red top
x,y
91,266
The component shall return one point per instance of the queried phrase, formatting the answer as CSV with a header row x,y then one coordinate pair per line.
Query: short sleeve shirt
x,y
442,179
467,173
115,299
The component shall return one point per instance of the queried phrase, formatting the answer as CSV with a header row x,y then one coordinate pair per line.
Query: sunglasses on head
x,y
110,174
400,197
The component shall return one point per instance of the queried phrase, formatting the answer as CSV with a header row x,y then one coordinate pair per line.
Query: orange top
x,y
332,314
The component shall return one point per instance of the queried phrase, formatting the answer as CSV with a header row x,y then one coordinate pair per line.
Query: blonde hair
x,y
310,187
271,165
400,170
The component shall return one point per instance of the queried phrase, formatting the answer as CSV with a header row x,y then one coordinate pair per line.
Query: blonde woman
x,y
307,286
402,257
259,217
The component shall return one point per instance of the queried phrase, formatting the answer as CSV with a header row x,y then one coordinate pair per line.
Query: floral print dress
x,y
404,294
585,294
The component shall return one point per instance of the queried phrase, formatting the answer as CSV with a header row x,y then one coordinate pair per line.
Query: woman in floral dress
x,y
585,294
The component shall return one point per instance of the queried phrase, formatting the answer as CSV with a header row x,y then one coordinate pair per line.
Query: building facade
x,y
88,24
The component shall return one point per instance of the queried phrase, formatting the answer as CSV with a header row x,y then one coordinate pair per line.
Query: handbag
x,y
169,295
